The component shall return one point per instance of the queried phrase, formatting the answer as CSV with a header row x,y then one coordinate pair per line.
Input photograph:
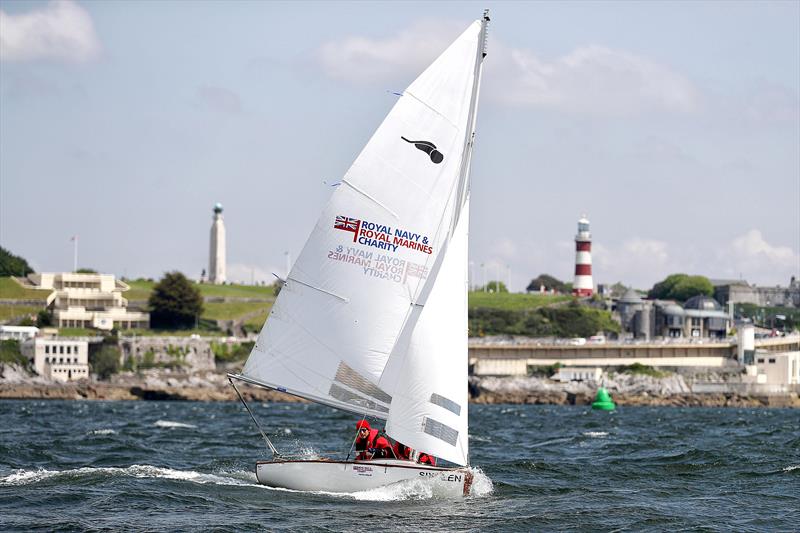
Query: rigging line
x,y
370,197
275,453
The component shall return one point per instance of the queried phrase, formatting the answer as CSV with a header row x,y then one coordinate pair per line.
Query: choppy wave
x,y
171,424
790,468
595,434
27,477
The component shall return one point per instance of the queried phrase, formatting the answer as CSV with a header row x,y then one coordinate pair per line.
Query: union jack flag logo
x,y
347,224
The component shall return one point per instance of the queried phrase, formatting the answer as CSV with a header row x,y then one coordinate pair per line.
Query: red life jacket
x,y
375,441
424,458
401,451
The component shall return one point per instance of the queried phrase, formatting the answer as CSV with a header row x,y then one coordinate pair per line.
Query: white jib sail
x,y
357,280
427,373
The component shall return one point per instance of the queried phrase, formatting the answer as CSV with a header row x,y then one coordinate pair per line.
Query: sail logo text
x,y
381,236
377,265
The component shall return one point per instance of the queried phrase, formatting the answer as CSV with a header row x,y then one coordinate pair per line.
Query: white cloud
x,y
770,102
60,30
755,258
590,79
638,262
363,60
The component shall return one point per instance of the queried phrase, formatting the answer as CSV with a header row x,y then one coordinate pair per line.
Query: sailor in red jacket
x,y
370,445
401,451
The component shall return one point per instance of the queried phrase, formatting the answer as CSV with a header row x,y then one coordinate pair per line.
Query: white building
x,y
216,256
778,368
58,359
18,333
89,301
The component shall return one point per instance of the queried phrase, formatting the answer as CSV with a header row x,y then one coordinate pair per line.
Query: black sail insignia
x,y
429,148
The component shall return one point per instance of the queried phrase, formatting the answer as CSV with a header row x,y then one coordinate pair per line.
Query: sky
x,y
674,126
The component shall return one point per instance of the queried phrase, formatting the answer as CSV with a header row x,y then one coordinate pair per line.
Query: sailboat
x,y
372,317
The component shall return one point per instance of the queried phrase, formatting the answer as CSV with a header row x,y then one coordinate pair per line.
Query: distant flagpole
x,y
74,240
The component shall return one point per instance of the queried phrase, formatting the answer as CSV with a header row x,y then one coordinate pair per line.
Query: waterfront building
x,y
739,291
583,286
778,368
18,333
58,359
89,301
699,317
216,256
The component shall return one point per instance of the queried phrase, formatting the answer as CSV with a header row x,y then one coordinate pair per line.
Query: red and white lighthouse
x,y
583,285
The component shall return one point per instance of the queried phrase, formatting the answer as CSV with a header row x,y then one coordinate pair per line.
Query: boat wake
x,y
29,477
415,489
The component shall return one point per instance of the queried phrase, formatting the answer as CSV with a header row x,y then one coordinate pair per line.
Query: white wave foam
x,y
102,432
595,434
481,483
790,468
171,424
27,477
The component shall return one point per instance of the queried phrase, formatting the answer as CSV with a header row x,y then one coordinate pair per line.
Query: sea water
x,y
182,466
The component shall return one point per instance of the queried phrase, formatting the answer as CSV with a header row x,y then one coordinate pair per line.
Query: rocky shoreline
x,y
213,386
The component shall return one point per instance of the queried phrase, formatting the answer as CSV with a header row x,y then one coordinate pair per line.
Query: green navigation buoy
x,y
603,400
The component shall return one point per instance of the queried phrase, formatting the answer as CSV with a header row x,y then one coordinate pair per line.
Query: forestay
x,y
383,273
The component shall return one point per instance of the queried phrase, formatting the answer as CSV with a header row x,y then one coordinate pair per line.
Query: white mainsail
x,y
372,317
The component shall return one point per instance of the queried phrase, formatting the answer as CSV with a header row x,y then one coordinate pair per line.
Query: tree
x,y
692,286
681,287
548,282
44,318
175,302
105,361
662,289
12,265
86,271
496,286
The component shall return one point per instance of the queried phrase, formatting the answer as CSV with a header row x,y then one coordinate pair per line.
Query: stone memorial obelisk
x,y
216,257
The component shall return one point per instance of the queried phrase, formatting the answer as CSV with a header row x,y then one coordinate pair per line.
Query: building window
x,y
772,360
47,349
60,349
69,349
760,359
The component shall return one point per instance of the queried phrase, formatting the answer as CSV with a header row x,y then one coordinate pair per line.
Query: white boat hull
x,y
322,475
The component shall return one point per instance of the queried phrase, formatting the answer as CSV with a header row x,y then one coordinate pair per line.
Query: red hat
x,y
363,424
